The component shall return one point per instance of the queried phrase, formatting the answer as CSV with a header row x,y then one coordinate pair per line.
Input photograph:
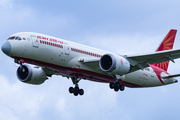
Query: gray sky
x,y
129,27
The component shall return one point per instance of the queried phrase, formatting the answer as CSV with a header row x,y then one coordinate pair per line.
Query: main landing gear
x,y
76,89
116,86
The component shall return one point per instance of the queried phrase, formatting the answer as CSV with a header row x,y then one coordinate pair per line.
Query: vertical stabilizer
x,y
167,44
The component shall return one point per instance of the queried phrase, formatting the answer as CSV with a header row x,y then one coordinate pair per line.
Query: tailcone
x,y
170,81
176,81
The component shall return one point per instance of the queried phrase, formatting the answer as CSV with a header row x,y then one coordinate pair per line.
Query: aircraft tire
x,y
122,88
116,86
81,92
71,90
111,85
116,89
76,91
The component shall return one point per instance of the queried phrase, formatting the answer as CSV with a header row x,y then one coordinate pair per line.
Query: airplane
x,y
53,56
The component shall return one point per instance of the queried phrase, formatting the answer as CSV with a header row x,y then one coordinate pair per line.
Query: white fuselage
x,y
64,57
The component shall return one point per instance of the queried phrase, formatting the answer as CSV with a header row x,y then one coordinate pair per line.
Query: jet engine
x,y
31,75
114,64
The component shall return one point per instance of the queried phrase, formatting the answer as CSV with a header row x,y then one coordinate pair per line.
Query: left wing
x,y
91,62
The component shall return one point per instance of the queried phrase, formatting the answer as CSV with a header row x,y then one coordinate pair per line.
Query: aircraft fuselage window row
x,y
59,46
51,44
85,52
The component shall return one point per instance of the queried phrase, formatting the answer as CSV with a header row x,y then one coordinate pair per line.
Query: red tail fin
x,y
167,44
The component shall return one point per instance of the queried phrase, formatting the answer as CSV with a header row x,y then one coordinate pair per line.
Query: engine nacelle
x,y
114,64
31,75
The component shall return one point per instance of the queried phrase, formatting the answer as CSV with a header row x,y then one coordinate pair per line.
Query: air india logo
x,y
168,44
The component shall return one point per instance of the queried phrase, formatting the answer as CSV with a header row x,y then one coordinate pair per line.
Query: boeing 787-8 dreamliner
x,y
54,56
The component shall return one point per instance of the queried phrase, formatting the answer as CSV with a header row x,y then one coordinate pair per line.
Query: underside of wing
x,y
91,62
48,71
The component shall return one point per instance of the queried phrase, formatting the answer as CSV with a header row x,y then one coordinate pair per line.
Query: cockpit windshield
x,y
11,38
18,38
14,37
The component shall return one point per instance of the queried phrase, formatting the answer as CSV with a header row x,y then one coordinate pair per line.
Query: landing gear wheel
x,y
111,85
76,91
116,86
81,92
71,90
122,87
116,89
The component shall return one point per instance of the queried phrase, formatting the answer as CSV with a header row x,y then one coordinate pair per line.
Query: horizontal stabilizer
x,y
170,76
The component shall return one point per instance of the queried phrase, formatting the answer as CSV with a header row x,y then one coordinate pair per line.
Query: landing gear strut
x,y
116,86
76,89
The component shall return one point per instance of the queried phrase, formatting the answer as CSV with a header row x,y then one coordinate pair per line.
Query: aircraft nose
x,y
6,47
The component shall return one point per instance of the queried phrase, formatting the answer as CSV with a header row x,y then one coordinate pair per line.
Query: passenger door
x,y
66,49
35,41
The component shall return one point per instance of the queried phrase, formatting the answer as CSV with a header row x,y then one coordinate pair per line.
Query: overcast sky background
x,y
123,27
